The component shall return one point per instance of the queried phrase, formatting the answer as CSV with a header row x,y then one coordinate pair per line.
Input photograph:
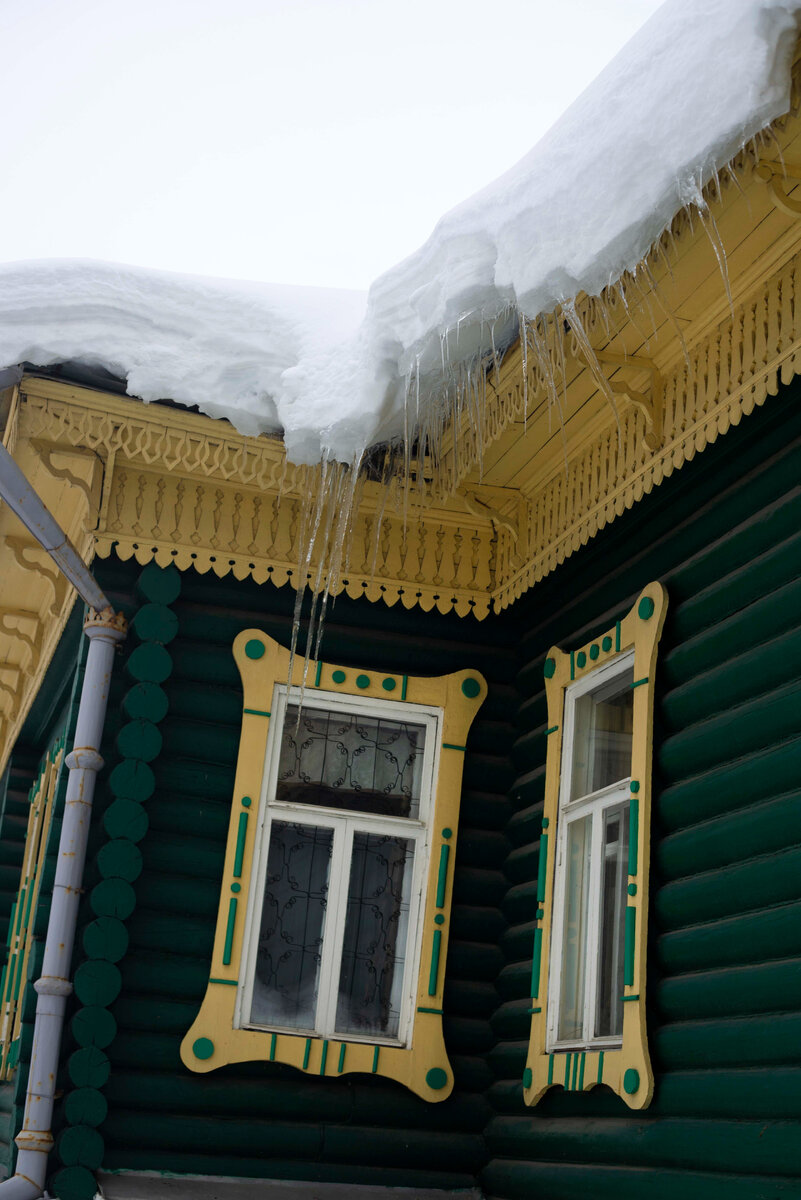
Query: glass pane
x,y
614,878
292,920
602,741
376,929
574,937
348,760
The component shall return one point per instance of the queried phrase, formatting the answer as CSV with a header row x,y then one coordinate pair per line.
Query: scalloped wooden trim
x,y
425,1061
627,1070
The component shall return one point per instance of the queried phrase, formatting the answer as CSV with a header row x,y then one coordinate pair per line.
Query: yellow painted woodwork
x,y
584,1069
215,1022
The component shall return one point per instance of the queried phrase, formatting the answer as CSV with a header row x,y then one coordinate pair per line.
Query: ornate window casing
x,y
589,963
332,928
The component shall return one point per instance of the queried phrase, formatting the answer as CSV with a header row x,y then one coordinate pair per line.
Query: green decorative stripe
x,y
532,1011
581,1073
600,1067
442,877
319,673
323,1057
404,686
634,834
617,635
434,972
541,870
631,931
376,1052
536,961
572,664
553,729
550,1069
436,1011
30,897
273,1042
450,746
306,1053
224,982
257,712
574,1078
229,931
625,998
639,682
20,907
341,1064
18,979
241,837
568,1059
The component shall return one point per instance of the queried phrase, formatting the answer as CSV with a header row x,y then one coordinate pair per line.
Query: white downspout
x,y
105,629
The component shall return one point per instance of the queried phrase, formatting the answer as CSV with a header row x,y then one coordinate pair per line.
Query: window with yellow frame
x,y
589,963
332,928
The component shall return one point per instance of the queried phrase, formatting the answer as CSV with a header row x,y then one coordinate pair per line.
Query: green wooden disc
x,y
645,610
471,688
159,585
631,1080
436,1078
149,663
549,669
145,702
155,623
97,982
93,1026
106,938
74,1183
86,1106
133,780
120,859
80,1146
139,739
113,898
528,1077
126,819
89,1067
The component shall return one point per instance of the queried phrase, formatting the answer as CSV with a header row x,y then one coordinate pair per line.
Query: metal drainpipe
x,y
105,629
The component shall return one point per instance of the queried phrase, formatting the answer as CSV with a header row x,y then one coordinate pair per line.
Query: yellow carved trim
x,y
581,1070
213,1031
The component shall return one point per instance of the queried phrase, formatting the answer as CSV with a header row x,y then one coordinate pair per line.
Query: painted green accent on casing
x,y
442,876
595,650
255,648
323,1057
224,982
572,664
631,1081
532,1011
447,833
634,835
389,684
338,676
617,636
236,888
606,644
241,838
203,1048
257,712
229,931
341,1063
450,746
645,610
632,889
549,668
635,785
600,1076
550,1069
471,688
306,1053
553,729
581,660
246,801
433,974
434,1011
568,1063
439,919
317,675
581,1072
273,1041
362,681
376,1053
436,1078
628,955
639,682
404,687
542,868
626,998
536,964
527,1077
546,822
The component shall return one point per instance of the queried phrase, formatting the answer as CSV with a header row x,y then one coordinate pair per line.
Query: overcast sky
x,y
294,141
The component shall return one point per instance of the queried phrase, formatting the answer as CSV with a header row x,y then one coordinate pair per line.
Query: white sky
x,y
294,141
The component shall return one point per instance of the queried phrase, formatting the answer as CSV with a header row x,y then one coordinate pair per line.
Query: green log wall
x,y
134,1105
724,966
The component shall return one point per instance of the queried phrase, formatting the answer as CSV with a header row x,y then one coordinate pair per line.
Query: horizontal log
x,y
474,960
736,1042
518,941
725,891
481,848
178,894
523,862
480,924
487,810
529,749
514,981
164,974
525,825
469,998
508,1059
520,902
769,987
202,741
474,886
511,1021
529,788
192,854
767,933
190,777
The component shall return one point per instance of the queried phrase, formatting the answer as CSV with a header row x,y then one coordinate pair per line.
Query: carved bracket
x,y
776,175
653,406
20,547
91,490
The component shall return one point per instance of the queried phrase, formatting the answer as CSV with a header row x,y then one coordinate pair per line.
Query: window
x,y
332,927
588,976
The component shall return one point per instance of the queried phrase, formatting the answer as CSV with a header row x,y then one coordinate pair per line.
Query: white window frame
x,y
344,823
595,803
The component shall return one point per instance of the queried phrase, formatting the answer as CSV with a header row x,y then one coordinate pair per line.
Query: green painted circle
x,y
155,623
635,785
85,1106
631,1081
113,898
362,681
126,819
159,585
581,659
255,648
339,676
389,685
436,1078
89,1067
606,644
139,739
447,833
105,938
632,889
97,982
74,1183
545,822
149,663
203,1048
145,702
93,1026
645,609
528,1077
595,650
132,780
236,887
80,1146
550,668
439,919
471,688
246,801
120,859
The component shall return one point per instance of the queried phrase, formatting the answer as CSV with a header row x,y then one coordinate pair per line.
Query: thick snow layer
x,y
697,81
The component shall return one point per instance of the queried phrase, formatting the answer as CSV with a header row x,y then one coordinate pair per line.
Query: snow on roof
x,y
331,369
